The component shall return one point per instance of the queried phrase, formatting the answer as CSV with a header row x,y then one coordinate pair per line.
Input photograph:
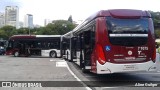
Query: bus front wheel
x,y
53,54
16,53
67,56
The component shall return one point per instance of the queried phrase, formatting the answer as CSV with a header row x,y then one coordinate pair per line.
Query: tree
x,y
23,31
156,19
156,22
8,31
70,19
2,34
60,27
57,27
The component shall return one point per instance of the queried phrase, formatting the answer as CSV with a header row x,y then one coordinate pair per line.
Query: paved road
x,y
37,69
119,81
57,70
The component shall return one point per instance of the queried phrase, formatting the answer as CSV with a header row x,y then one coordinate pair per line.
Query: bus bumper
x,y
108,68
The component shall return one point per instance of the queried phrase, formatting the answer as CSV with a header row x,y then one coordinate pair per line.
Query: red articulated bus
x,y
113,41
39,45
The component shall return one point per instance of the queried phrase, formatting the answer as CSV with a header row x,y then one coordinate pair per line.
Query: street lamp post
x,y
29,31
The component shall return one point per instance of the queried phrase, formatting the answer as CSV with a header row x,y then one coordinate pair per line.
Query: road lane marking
x,y
51,60
147,73
61,64
88,88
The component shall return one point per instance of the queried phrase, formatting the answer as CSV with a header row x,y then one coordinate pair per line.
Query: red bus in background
x,y
39,45
113,41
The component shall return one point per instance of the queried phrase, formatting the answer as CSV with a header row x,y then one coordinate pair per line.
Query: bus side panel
x,y
99,38
151,39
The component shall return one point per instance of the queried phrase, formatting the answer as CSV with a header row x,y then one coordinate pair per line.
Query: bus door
x,y
73,48
77,49
87,48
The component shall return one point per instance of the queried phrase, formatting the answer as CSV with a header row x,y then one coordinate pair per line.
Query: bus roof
x,y
48,35
120,13
33,36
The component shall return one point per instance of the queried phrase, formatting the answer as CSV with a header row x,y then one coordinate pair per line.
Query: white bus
x,y
41,45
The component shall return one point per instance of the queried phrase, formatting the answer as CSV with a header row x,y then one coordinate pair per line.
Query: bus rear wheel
x,y
67,56
16,53
53,54
85,70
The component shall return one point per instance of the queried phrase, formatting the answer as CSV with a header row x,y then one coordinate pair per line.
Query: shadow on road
x,y
109,80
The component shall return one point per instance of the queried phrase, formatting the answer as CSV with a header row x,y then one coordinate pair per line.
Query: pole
x,y
29,31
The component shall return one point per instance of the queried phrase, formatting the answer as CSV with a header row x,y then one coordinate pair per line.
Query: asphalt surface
x,y
58,74
52,72
119,81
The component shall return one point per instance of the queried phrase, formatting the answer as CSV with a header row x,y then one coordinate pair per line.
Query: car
x,y
2,51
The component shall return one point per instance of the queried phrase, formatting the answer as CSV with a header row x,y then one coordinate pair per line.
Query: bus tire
x,y
67,56
16,54
85,70
53,54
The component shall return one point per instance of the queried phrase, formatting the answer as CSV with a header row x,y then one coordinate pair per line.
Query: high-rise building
x,y
12,16
47,21
28,21
21,24
2,20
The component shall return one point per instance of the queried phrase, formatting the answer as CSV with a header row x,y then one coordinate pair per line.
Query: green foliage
x,y
57,27
7,31
3,34
61,27
157,33
156,19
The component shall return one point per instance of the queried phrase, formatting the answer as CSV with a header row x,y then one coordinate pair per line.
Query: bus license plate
x,y
130,67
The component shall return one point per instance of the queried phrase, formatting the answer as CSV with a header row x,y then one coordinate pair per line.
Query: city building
x,y
47,21
12,16
2,20
21,24
28,21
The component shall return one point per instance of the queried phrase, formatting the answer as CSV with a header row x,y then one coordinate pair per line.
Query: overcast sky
x,y
79,9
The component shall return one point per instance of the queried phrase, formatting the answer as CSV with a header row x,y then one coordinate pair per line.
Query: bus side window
x,y
78,43
39,45
74,43
10,44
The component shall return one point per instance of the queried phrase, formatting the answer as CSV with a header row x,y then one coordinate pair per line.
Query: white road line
x,y
88,88
148,73
52,60
109,88
61,64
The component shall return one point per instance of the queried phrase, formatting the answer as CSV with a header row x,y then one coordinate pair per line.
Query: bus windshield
x,y
127,32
